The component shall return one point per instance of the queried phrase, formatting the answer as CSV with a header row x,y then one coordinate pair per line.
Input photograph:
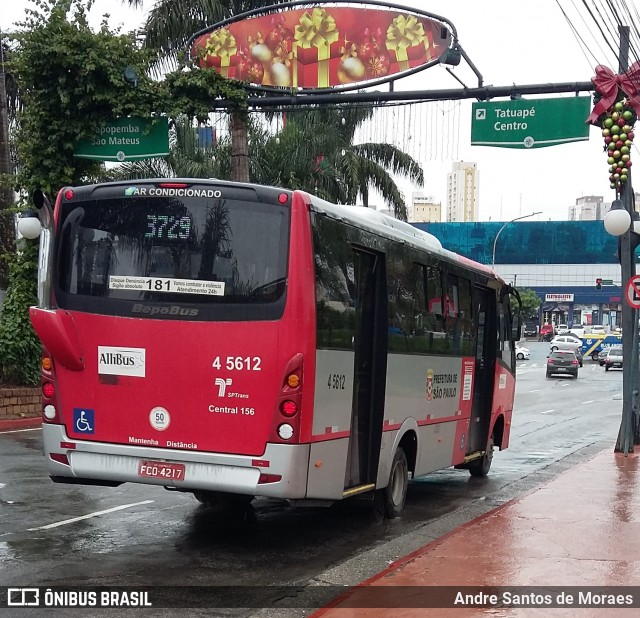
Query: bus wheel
x,y
395,493
480,467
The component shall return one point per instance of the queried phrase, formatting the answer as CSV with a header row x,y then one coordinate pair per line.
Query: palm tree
x,y
187,158
315,151
169,26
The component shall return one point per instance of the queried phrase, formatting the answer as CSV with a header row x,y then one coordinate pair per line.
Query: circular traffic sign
x,y
632,292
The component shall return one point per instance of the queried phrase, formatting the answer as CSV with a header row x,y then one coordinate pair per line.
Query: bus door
x,y
369,370
485,302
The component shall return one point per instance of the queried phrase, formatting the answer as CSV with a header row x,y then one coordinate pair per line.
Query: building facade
x,y
463,189
559,260
424,209
588,208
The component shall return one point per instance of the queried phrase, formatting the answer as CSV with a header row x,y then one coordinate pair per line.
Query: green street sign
x,y
530,123
126,139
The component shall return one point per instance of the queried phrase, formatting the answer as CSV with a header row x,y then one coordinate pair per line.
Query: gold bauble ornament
x,y
351,69
280,74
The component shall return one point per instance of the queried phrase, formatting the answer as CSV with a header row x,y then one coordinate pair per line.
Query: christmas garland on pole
x,y
615,111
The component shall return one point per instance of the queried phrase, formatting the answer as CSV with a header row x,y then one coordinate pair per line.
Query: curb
x,y
20,423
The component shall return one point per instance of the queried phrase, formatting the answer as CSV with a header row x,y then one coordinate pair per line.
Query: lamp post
x,y
624,222
621,221
495,240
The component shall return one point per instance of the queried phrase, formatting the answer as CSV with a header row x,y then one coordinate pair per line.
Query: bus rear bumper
x,y
103,463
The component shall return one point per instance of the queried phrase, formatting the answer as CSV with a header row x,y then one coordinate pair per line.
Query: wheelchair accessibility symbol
x,y
83,420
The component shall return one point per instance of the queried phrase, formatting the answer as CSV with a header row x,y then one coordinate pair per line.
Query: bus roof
x,y
385,225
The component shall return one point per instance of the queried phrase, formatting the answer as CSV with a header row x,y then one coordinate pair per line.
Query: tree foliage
x,y
19,347
71,80
530,303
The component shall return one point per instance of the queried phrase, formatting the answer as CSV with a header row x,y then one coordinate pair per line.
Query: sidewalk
x,y
15,424
580,529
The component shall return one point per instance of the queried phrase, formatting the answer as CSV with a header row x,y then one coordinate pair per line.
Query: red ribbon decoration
x,y
607,83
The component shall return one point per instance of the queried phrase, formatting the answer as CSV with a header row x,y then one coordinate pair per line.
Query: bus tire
x,y
395,493
481,467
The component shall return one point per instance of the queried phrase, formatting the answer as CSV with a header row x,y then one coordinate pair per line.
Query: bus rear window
x,y
196,251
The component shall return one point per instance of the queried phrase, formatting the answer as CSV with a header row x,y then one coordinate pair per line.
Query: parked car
x,y
601,356
530,330
567,342
546,329
613,357
562,329
562,362
522,353
577,331
598,329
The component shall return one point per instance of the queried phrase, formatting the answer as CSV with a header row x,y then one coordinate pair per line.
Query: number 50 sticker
x,y
159,418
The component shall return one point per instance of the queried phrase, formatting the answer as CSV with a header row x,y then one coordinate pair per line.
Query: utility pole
x,y
625,441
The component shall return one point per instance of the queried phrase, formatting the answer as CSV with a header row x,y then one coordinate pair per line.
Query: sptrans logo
x,y
131,191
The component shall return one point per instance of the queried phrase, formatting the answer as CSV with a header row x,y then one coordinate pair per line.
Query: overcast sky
x,y
509,43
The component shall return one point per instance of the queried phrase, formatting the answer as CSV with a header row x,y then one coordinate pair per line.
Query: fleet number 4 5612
x,y
238,363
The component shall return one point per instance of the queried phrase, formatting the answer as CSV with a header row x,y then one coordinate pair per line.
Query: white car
x,y
596,329
578,331
562,329
522,353
567,342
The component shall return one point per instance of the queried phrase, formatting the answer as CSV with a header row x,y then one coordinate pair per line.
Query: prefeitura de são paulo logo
x,y
429,384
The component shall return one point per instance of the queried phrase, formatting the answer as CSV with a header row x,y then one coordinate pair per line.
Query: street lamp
x,y
623,221
495,240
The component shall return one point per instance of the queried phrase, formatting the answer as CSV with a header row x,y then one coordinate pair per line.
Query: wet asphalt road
x,y
65,535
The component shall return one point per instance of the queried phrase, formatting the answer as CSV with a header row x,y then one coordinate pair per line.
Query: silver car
x,y
613,357
567,342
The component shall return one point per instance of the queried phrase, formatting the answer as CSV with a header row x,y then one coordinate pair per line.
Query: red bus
x,y
235,340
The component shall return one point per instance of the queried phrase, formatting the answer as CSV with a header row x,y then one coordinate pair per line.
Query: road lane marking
x,y
89,516
590,401
19,430
535,390
547,411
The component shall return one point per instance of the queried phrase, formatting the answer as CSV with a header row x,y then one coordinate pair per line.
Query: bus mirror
x,y
516,328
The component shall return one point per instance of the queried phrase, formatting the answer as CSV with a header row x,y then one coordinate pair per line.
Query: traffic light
x,y
598,283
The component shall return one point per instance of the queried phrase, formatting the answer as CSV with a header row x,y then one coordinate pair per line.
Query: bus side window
x,y
335,285
452,313
504,344
399,309
466,318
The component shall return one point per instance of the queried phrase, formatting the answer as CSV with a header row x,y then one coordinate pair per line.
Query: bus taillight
x,y
69,194
49,403
48,390
289,408
285,431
